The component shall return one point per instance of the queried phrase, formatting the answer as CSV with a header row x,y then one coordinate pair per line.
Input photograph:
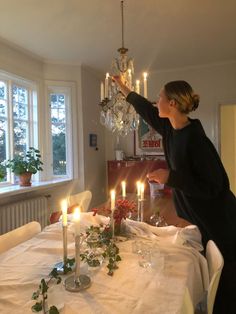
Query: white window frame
x,y
31,86
68,89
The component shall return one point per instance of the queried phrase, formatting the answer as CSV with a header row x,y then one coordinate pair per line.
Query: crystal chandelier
x,y
116,113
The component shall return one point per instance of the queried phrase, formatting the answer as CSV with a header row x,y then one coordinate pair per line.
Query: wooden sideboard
x,y
131,171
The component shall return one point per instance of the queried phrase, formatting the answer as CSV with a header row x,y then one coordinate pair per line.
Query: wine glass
x,y
157,220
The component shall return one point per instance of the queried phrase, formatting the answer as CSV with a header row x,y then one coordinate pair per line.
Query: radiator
x,y
16,214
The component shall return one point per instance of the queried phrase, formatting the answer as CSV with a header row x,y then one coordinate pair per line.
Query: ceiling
x,y
160,34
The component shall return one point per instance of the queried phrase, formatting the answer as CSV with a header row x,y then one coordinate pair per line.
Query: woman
x,y
199,183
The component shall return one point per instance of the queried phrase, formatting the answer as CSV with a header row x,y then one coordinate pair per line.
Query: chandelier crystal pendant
x,y
116,113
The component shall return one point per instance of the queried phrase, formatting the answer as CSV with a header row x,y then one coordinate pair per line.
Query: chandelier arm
x,y
122,22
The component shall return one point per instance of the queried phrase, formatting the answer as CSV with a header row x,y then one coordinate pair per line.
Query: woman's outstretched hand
x,y
160,175
123,88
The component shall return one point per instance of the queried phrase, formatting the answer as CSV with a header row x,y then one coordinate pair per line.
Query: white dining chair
x,y
187,306
215,263
14,237
81,199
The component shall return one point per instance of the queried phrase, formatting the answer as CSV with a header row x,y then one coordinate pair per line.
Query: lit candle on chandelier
x,y
106,85
64,213
123,185
102,91
137,86
129,78
145,84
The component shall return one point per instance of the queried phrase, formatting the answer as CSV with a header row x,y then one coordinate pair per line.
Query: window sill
x,y
16,189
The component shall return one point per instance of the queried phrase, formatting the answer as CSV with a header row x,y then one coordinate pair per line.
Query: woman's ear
x,y
172,102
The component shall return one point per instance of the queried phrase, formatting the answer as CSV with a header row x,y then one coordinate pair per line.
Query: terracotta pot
x,y
25,179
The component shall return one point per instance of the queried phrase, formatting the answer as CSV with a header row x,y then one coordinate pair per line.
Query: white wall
x,y
215,84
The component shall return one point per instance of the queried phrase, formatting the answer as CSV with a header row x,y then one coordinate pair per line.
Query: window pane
x,y
3,108
20,133
20,102
3,90
58,128
3,127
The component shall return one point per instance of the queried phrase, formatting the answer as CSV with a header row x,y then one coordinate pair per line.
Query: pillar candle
x,y
113,199
123,185
64,212
76,218
145,84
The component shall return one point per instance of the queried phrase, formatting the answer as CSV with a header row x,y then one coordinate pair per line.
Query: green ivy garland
x,y
111,252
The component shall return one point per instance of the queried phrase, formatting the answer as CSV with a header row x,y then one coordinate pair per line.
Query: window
x,y
60,131
18,117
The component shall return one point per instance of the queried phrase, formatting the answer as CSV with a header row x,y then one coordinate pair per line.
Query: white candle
x,y
138,188
102,91
145,84
64,212
123,185
106,85
137,87
129,78
113,199
76,219
142,191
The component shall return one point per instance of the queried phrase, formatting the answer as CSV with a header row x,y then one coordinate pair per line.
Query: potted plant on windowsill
x,y
3,171
25,166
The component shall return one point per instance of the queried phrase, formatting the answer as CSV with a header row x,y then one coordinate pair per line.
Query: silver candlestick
x,y
77,282
60,266
140,209
112,224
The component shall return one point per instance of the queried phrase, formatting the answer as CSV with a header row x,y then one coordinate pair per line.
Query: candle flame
x,y
77,214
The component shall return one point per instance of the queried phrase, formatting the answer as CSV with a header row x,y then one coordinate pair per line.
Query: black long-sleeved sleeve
x,y
147,111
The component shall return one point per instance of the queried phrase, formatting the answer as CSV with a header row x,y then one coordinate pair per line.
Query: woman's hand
x,y
123,88
159,175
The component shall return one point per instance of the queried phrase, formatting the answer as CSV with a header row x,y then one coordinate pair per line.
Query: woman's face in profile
x,y
163,104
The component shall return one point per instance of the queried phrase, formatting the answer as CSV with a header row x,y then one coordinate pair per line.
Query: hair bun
x,y
196,100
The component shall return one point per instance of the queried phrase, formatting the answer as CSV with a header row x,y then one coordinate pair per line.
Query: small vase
x,y
25,179
120,228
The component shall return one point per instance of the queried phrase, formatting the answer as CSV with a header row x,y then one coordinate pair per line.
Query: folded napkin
x,y
187,236
88,219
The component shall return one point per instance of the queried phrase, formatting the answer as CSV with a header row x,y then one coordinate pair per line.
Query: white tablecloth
x,y
132,289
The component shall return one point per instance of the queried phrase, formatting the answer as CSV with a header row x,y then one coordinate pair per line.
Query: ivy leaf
x,y
44,286
37,307
53,310
35,295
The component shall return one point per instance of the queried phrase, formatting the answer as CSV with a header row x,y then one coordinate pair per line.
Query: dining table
x,y
158,288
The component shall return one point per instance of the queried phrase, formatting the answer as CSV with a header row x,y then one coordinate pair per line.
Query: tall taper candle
x,y
102,91
123,185
64,212
145,84
106,85
76,219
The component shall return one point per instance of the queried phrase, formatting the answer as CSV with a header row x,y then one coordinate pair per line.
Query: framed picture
x,y
147,141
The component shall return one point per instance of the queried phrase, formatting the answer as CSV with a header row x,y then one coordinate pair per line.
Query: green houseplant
x,y
3,171
25,166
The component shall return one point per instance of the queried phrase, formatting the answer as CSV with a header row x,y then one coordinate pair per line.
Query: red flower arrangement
x,y
123,209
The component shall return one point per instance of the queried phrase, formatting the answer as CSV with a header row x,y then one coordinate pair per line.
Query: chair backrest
x,y
19,235
215,264
187,306
82,199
